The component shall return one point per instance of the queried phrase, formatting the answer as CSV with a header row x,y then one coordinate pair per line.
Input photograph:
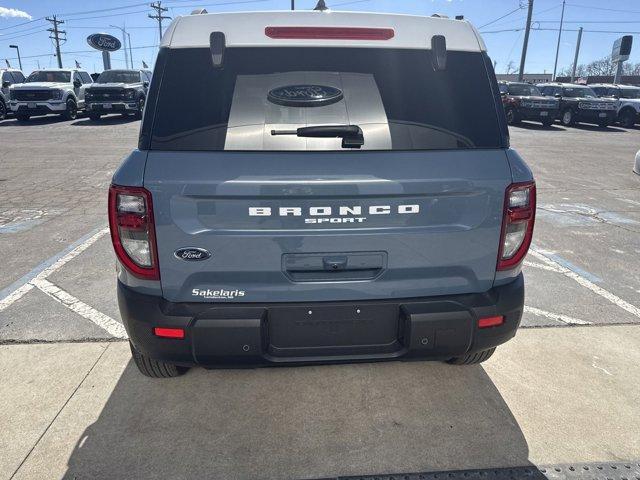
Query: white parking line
x,y
540,266
18,289
103,321
541,255
556,316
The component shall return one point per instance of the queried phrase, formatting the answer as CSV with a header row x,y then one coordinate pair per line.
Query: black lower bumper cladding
x,y
248,334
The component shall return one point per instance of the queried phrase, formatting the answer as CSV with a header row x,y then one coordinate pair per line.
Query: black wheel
x,y
155,368
627,118
71,113
140,108
22,117
3,110
567,118
472,358
94,116
512,116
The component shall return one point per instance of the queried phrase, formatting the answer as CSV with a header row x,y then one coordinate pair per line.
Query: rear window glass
x,y
393,95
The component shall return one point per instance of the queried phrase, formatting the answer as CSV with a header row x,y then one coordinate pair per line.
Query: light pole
x,y
18,50
130,51
124,43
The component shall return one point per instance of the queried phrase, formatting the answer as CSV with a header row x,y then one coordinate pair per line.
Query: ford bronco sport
x,y
523,101
627,101
580,104
330,188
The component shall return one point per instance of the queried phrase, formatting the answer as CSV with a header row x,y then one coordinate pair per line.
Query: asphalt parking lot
x,y
58,311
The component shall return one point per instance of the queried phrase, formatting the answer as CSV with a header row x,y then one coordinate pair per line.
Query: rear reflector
x,y
169,332
490,322
330,33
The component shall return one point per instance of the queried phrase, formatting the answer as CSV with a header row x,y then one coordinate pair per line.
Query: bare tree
x,y
511,67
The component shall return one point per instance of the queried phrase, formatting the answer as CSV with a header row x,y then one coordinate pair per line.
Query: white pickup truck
x,y
59,91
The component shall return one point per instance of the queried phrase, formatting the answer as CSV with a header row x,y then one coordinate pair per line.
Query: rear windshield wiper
x,y
351,135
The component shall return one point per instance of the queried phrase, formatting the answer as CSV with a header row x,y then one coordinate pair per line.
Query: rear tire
x,y
472,358
567,118
155,368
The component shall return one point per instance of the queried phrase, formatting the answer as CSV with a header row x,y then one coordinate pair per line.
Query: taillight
x,y
517,224
330,33
132,230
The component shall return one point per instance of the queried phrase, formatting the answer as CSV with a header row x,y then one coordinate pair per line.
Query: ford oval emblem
x,y
192,254
104,42
305,95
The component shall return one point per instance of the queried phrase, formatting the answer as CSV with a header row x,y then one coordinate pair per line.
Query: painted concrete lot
x,y
80,410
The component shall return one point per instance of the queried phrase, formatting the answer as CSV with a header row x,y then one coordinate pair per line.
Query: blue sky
x,y
504,44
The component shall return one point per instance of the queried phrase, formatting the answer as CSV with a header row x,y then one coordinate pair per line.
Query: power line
x,y
23,23
602,8
500,18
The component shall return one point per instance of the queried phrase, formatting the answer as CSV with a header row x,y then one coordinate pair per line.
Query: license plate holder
x,y
31,105
544,114
107,106
334,330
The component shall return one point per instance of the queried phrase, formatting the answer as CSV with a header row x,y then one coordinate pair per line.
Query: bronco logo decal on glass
x,y
192,254
305,95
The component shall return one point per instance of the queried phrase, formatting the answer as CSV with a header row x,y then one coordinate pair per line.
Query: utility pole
x,y
555,65
157,6
130,51
293,4
525,44
56,35
575,58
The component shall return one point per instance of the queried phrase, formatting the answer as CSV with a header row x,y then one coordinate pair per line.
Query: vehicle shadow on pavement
x,y
309,422
538,126
109,120
597,128
44,120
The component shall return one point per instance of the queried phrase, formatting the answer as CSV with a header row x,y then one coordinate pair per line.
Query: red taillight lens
x,y
168,332
330,33
490,322
517,224
132,230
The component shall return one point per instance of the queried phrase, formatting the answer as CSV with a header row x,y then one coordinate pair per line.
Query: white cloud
x,y
13,13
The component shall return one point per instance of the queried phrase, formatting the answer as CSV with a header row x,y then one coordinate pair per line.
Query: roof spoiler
x,y
217,45
439,53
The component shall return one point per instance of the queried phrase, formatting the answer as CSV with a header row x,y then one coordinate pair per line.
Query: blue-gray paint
x,y
21,226
574,268
201,199
131,170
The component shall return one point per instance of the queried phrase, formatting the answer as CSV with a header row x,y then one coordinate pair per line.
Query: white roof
x,y
248,30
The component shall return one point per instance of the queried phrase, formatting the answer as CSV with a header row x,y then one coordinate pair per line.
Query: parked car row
x,y
602,104
67,92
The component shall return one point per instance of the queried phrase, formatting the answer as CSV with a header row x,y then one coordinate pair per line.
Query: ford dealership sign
x,y
104,42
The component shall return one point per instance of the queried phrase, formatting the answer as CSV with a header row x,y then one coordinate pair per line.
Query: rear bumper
x,y
225,334
595,116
